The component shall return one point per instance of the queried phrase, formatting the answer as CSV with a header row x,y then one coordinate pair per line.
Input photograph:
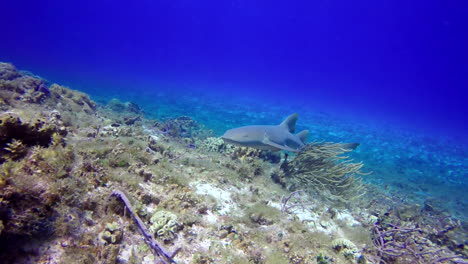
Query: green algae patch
x,y
262,214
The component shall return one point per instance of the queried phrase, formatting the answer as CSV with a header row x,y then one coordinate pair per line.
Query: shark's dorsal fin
x,y
303,135
290,123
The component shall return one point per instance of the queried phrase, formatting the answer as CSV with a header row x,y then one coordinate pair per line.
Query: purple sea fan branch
x,y
409,244
165,257
284,202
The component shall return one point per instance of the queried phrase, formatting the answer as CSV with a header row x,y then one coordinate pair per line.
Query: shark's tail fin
x,y
351,146
290,123
303,135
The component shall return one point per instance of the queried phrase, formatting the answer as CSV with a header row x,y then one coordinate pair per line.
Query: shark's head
x,y
238,136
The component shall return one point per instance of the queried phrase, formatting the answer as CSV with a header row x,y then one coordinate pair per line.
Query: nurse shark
x,y
275,138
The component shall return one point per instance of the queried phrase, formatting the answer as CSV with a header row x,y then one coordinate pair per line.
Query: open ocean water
x,y
391,75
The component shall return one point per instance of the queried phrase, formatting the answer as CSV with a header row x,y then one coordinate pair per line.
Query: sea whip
x,y
149,239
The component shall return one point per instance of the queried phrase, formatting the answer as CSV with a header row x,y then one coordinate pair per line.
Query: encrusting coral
x,y
344,246
112,234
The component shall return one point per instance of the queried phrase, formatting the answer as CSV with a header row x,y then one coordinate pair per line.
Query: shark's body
x,y
275,138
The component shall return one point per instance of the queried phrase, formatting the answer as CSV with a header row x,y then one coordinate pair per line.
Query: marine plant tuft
x,y
322,169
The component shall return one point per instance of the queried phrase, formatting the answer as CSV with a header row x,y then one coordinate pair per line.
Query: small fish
x,y
275,138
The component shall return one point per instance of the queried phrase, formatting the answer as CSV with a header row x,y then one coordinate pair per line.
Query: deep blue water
x,y
405,61
390,74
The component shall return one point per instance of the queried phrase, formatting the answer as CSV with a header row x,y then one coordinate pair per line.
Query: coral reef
x,y
127,113
63,156
244,153
16,137
215,144
183,127
117,106
19,87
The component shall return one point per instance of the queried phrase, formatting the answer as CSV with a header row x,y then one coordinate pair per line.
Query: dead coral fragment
x,y
320,167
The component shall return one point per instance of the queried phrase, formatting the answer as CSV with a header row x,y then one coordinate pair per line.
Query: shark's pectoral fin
x,y
266,141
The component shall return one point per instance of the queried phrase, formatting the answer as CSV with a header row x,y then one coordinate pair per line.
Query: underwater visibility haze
x,y
113,106
405,62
